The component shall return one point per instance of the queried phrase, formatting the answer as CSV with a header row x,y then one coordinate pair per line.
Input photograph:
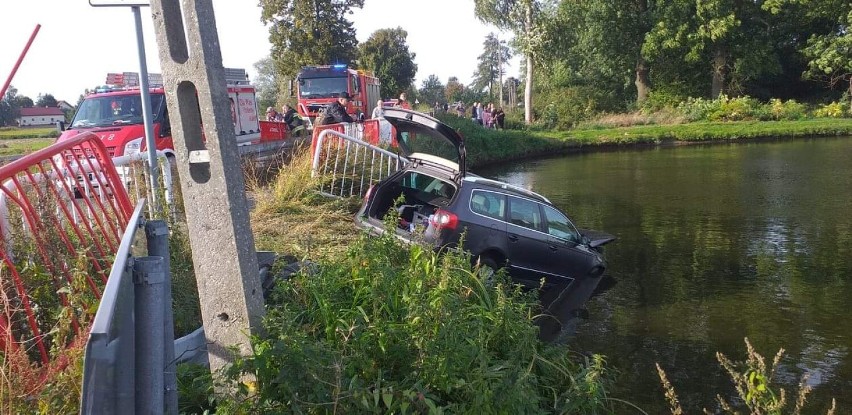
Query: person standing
x,y
499,118
336,112
403,103
290,117
379,111
271,115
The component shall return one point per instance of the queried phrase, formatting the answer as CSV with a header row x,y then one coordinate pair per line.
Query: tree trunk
x,y
528,114
720,71
643,80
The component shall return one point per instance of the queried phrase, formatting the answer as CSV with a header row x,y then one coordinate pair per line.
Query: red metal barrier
x,y
272,131
61,208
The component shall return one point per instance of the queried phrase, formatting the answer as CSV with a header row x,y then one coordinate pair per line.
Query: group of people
x,y
288,115
486,115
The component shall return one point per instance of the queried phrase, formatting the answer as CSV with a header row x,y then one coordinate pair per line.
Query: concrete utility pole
x,y
211,175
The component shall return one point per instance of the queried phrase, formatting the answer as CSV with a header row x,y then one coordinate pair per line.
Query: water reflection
x,y
716,243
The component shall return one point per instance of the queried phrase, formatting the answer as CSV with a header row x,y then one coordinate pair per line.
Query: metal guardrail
x,y
349,164
129,364
110,349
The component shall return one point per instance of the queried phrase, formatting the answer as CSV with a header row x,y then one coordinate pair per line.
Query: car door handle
x,y
513,237
553,247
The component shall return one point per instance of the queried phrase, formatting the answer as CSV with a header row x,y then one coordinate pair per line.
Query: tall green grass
x,y
388,328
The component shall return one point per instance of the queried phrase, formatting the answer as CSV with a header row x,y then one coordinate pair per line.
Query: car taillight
x,y
444,220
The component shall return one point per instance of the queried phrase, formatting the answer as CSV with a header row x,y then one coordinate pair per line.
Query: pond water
x,y
716,243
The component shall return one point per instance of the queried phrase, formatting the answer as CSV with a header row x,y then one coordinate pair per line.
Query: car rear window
x,y
489,204
428,185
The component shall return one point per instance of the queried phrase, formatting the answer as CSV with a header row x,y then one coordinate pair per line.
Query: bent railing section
x,y
348,159
62,212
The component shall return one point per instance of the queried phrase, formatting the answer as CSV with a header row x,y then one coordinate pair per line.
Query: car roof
x,y
503,186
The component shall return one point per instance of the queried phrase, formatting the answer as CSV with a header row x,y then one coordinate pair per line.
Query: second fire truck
x,y
318,86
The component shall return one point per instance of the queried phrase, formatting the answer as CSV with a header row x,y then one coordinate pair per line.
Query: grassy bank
x,y
20,146
488,146
11,133
381,327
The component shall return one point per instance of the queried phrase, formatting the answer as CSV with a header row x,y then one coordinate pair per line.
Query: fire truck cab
x,y
114,113
318,86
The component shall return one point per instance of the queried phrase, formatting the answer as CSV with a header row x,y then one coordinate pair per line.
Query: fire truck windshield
x,y
114,110
322,87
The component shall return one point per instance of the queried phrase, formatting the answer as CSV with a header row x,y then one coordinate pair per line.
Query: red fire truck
x,y
319,86
114,112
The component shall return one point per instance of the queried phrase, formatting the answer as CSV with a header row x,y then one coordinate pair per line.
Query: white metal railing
x,y
134,172
348,166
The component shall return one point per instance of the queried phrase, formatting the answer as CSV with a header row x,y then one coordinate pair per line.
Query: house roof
x,y
35,112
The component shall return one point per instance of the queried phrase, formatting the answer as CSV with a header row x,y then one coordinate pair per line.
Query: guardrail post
x,y
148,279
157,236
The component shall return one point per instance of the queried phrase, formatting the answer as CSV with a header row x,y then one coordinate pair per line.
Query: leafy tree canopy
x,y
46,100
269,85
454,90
24,101
310,32
490,64
386,54
432,90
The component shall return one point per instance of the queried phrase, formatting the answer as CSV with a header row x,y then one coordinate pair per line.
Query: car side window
x,y
523,212
489,204
559,226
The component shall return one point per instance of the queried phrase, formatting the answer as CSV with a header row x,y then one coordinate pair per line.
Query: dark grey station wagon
x,y
504,226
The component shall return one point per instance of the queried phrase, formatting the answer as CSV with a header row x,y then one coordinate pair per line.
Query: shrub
x,y
786,110
563,108
736,109
698,109
393,329
660,100
832,110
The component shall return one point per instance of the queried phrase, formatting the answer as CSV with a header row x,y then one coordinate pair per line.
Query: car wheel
x,y
488,269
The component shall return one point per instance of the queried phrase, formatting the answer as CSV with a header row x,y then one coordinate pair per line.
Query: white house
x,y
64,105
40,116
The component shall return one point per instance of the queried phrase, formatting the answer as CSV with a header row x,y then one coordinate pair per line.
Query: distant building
x,y
40,116
64,105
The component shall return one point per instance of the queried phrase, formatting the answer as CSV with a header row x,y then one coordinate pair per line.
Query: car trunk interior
x,y
421,195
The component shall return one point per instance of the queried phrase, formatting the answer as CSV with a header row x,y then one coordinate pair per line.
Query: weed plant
x,y
757,394
389,328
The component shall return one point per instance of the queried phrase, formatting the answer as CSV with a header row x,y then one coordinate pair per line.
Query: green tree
x,y
310,32
268,84
454,90
600,43
46,100
829,48
386,54
492,61
9,107
24,101
734,38
522,18
431,90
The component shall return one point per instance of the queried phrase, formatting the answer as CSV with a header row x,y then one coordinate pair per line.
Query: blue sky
x,y
79,44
